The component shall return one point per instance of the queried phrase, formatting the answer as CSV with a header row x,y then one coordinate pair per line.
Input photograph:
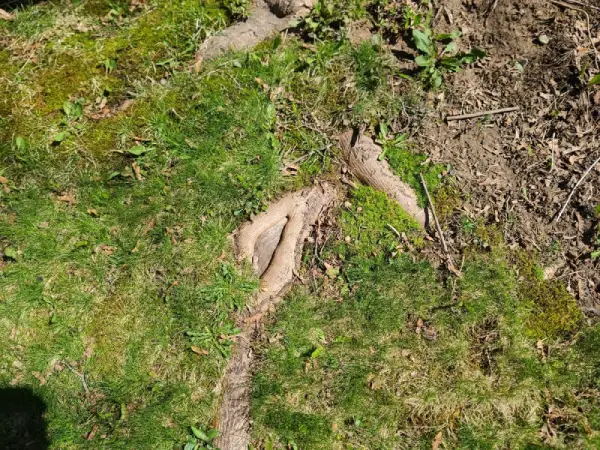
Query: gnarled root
x,y
362,160
267,18
273,243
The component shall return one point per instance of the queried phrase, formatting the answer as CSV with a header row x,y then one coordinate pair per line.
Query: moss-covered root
x,y
273,243
363,160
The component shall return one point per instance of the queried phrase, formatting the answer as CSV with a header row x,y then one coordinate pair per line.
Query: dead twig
x,y
482,113
80,375
569,5
575,2
451,267
396,232
585,174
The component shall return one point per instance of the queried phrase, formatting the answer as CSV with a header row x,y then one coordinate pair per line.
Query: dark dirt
x,y
517,169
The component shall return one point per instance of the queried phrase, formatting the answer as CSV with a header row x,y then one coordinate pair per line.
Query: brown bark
x,y
362,160
273,242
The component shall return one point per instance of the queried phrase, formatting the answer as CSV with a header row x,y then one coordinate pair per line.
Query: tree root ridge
x,y
273,243
363,161
267,18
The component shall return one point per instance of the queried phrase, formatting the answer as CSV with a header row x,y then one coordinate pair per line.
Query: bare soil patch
x,y
518,169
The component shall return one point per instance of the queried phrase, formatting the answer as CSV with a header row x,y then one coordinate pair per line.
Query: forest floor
x,y
126,165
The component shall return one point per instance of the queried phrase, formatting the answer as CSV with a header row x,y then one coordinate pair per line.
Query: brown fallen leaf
x,y
199,351
290,169
436,441
92,212
67,198
43,225
92,432
3,180
5,15
136,169
419,326
107,249
40,378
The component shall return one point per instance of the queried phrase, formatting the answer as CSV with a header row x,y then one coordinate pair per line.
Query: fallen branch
x,y
585,174
80,375
451,267
482,113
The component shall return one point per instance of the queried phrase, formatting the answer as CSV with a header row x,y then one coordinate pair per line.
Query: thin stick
x,y
439,229
391,227
483,113
582,4
585,174
80,375
587,20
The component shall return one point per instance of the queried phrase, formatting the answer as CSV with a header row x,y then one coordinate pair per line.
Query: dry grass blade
x,y
585,174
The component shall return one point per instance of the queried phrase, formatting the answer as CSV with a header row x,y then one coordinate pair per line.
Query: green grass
x,y
401,356
116,264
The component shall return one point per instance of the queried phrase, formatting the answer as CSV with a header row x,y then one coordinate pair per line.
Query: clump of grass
x,y
369,222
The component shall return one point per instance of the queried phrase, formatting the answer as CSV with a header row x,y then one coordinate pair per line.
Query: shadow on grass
x,y
22,424
10,5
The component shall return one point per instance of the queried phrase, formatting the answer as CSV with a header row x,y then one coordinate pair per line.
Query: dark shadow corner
x,y
22,424
10,5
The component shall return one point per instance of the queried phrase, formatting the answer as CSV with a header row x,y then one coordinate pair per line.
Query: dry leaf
x,y
43,225
437,441
137,171
3,180
92,433
199,351
290,169
419,326
107,249
67,198
92,212
5,15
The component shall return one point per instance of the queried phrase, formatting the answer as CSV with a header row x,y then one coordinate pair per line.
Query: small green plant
x,y
238,9
387,141
109,65
439,53
203,439
329,19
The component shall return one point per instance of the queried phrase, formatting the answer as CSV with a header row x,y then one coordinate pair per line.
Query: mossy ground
x,y
123,173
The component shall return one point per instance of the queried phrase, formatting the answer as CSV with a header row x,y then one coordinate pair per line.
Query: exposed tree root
x,y
267,18
273,242
362,159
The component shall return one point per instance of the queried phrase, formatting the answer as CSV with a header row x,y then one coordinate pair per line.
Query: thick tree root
x,y
267,18
363,161
273,243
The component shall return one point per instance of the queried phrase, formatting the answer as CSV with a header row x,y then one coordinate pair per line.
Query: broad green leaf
x,y
424,61
445,36
200,434
451,48
138,150
436,79
317,351
11,253
594,80
212,434
189,446
422,41
59,137
21,143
